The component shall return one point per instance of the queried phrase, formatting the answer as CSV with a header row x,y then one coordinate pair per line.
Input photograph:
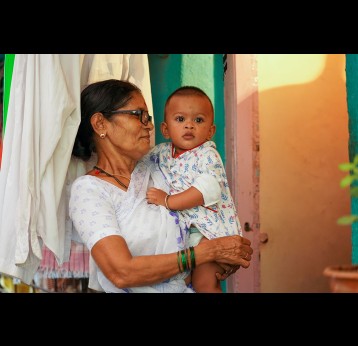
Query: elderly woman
x,y
134,246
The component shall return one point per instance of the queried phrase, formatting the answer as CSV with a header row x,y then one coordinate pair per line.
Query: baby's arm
x,y
204,191
187,199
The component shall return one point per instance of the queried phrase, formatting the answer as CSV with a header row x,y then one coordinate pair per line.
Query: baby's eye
x,y
199,120
179,119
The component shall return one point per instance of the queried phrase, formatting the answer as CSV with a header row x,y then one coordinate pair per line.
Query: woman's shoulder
x,y
84,180
90,182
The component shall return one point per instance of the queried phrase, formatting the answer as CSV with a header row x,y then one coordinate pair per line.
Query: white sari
x,y
99,209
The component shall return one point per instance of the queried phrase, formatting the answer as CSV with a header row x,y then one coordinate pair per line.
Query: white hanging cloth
x,y
130,67
42,122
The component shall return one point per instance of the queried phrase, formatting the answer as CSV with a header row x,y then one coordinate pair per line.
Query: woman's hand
x,y
232,250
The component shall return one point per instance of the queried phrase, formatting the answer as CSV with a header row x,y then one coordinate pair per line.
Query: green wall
x,y
165,77
206,71
352,100
9,66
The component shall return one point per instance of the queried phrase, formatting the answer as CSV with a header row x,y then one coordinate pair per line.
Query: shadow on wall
x,y
303,138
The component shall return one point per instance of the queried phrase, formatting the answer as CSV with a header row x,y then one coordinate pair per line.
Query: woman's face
x,y
127,134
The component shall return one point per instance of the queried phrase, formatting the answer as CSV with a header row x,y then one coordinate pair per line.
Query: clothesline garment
x,y
77,264
75,267
0,148
43,118
94,68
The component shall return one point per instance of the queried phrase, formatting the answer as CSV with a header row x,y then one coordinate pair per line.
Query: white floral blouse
x,y
202,168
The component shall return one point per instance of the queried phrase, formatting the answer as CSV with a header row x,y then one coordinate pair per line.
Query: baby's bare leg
x,y
204,279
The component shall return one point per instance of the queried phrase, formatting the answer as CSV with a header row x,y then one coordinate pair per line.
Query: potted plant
x,y
344,278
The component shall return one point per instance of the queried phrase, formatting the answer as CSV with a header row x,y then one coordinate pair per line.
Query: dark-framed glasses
x,y
142,115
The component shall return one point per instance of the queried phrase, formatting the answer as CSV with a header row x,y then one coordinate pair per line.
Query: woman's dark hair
x,y
102,97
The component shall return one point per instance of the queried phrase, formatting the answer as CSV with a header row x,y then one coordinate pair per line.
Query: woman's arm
x,y
123,270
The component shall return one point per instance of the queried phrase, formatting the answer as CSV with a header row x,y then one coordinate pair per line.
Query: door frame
x,y
242,159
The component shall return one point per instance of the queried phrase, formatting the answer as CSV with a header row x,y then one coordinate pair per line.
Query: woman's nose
x,y
150,125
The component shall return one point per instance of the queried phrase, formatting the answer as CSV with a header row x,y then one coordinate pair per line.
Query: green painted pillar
x,y
205,71
9,66
352,101
165,72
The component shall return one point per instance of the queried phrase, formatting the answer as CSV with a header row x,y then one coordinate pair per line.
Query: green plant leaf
x,y
347,180
347,220
355,160
354,191
345,167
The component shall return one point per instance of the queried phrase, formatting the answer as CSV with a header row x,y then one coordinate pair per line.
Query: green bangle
x,y
187,253
192,257
178,259
183,260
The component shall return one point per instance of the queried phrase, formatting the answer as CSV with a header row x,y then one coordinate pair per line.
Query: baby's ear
x,y
164,130
211,132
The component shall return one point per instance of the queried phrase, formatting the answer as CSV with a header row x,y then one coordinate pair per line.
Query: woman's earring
x,y
102,135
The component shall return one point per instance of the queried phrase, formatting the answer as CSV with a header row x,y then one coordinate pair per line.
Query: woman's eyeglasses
x,y
142,115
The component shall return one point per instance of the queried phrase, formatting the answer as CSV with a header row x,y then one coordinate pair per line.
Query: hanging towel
x,y
76,267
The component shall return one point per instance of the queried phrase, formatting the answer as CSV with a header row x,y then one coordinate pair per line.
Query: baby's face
x,y
188,121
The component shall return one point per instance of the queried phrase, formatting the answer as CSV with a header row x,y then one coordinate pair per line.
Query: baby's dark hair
x,y
102,97
187,91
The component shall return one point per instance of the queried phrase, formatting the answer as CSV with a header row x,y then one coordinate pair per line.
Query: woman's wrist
x,y
205,252
186,259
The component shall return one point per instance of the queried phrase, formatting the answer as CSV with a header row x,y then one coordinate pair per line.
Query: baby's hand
x,y
156,196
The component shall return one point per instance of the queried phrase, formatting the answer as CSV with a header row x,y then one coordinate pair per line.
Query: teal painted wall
x,y
206,71
171,71
165,77
352,100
